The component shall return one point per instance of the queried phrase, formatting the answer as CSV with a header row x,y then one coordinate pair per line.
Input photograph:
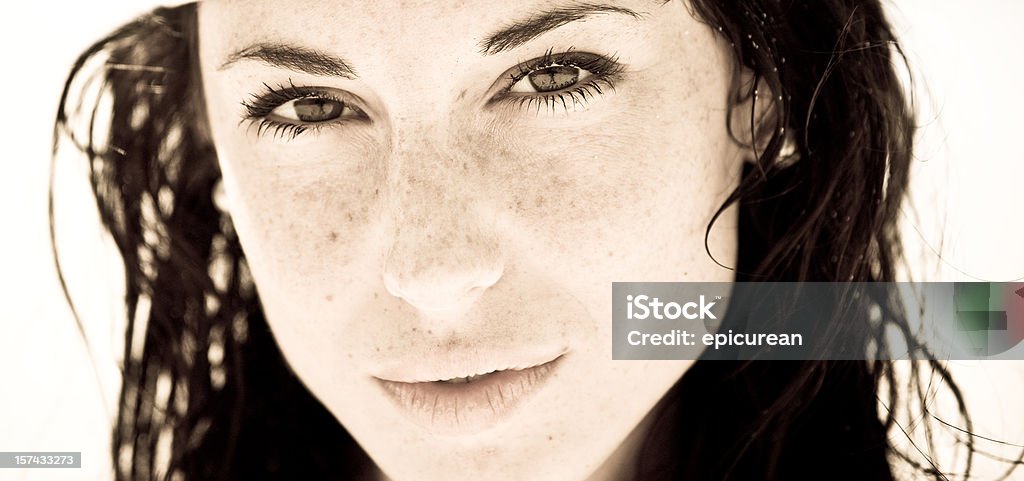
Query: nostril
x,y
392,286
487,279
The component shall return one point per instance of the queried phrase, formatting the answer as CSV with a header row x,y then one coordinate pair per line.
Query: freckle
x,y
374,295
332,236
376,349
465,166
329,298
429,331
550,438
610,253
414,329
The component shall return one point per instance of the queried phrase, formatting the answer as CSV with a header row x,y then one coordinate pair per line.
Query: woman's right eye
x,y
288,111
313,110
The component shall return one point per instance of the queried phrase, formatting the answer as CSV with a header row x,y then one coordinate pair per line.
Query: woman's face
x,y
429,191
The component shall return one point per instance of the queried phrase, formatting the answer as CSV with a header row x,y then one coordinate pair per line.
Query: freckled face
x,y
436,211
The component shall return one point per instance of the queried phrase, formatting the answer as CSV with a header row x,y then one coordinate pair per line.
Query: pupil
x,y
553,78
317,110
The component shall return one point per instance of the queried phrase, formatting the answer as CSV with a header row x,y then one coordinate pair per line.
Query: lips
x,y
468,404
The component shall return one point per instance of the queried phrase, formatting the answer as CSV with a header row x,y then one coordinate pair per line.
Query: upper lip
x,y
464,363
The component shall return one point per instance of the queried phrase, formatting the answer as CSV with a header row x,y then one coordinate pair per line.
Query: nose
x,y
443,252
441,290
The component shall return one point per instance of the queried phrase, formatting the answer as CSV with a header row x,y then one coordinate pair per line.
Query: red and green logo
x,y
990,315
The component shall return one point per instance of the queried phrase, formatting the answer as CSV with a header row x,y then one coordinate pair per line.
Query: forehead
x,y
399,25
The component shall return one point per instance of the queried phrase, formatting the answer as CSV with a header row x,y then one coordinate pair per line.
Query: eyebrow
x,y
316,62
293,57
520,32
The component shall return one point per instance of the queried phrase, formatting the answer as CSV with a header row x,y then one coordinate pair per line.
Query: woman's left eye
x,y
561,81
549,79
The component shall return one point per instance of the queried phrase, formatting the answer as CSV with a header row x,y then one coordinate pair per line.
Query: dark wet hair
x,y
208,395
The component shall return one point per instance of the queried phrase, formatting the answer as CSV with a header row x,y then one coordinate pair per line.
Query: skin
x,y
442,222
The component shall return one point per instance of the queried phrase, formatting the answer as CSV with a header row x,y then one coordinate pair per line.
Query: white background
x,y
966,223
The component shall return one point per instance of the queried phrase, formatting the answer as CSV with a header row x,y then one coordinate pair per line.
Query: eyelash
x,y
605,72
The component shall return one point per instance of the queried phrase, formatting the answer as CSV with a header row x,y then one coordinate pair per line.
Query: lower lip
x,y
467,408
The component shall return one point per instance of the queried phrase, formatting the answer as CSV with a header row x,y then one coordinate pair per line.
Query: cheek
x,y
300,210
623,184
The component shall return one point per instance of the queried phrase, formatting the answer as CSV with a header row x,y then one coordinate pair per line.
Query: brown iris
x,y
317,109
553,78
